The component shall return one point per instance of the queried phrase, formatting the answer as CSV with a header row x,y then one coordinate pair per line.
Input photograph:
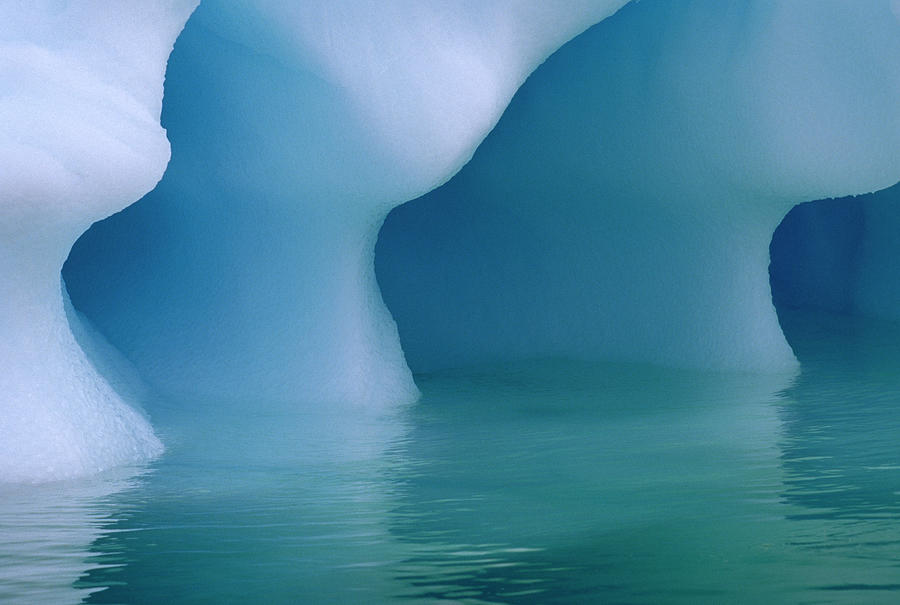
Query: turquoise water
x,y
546,482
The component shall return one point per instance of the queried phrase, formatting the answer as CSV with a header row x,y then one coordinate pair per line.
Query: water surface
x,y
542,482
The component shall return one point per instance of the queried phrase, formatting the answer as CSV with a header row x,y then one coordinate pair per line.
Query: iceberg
x,y
622,207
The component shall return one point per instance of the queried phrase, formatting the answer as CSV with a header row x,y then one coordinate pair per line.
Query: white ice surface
x,y
80,96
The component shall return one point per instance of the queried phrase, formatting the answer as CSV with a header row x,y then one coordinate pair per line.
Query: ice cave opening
x,y
814,255
832,262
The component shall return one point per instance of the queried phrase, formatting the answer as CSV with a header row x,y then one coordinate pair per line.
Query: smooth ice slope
x,y
624,205
248,273
80,96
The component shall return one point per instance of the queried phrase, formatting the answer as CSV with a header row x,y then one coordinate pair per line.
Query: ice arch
x,y
248,273
624,205
80,95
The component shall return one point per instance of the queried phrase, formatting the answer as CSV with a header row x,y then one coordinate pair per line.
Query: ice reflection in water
x,y
46,534
249,506
842,451
545,482
841,454
576,482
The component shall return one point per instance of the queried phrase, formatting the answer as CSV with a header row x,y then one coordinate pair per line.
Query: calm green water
x,y
549,482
